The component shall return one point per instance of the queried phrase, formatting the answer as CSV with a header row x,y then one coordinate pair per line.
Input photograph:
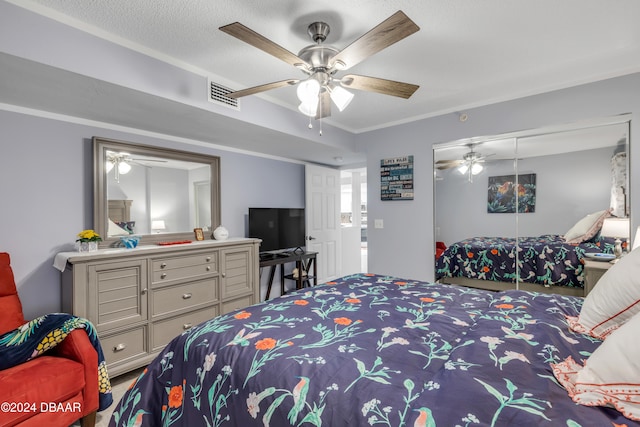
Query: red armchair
x,y
440,248
59,387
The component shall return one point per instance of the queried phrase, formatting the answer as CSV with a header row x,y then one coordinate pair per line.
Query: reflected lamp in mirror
x,y
158,225
617,228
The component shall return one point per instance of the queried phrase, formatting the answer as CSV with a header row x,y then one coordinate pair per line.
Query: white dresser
x,y
139,299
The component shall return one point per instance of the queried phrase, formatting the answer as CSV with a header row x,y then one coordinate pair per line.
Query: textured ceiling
x,y
467,53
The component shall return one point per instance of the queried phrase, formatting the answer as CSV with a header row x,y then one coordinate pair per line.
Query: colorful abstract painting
x,y
505,195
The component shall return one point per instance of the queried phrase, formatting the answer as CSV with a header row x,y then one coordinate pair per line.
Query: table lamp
x,y
619,229
158,225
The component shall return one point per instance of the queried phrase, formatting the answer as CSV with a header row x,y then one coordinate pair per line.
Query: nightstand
x,y
593,271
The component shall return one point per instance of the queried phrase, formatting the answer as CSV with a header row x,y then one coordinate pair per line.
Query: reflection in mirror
x,y
159,193
565,174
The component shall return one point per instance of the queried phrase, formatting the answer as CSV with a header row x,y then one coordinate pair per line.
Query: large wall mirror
x,y
158,194
503,204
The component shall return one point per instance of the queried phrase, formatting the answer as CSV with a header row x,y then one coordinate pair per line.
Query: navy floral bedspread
x,y
371,350
547,260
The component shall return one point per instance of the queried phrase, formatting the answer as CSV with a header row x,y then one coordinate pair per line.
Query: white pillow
x,y
115,230
613,301
587,227
611,375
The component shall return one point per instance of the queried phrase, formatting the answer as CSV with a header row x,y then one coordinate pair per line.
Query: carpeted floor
x,y
118,386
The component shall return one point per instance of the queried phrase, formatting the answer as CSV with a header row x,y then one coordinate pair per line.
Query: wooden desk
x,y
304,262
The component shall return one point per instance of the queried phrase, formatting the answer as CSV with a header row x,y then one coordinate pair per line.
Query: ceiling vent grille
x,y
218,95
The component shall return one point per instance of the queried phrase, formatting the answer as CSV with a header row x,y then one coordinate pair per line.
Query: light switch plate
x,y
378,223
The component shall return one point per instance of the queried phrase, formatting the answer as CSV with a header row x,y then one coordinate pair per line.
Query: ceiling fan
x,y
122,163
470,163
322,62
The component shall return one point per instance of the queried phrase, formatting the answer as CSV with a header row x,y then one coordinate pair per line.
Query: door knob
x,y
311,238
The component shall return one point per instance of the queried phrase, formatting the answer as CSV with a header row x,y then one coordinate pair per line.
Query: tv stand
x,y
304,262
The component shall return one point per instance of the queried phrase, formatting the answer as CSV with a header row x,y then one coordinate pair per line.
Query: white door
x,y
323,219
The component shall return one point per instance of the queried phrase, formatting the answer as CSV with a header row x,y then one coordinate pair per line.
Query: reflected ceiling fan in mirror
x,y
122,163
470,163
321,63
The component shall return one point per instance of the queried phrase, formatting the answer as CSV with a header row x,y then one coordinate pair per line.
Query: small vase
x,y
87,246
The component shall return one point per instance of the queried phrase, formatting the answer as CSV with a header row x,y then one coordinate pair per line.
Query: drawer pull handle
x,y
224,274
163,275
186,326
208,268
163,265
208,258
143,291
120,347
186,296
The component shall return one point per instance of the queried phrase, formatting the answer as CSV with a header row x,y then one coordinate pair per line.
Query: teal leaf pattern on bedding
x,y
371,350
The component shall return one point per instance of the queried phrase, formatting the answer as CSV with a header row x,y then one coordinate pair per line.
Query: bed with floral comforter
x,y
546,260
372,350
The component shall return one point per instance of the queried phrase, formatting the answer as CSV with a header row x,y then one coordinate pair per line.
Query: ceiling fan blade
x,y
324,105
391,30
374,84
249,36
262,88
447,166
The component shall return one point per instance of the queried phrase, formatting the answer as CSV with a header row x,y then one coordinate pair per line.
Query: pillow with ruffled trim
x,y
613,301
587,228
610,376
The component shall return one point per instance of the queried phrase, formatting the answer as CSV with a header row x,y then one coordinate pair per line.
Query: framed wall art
x,y
396,178
505,195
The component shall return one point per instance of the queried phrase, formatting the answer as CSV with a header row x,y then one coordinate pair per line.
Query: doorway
x,y
353,220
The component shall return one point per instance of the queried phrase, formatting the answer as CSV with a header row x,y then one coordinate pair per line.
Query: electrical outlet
x,y
378,223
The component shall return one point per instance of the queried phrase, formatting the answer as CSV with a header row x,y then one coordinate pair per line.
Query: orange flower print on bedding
x,y
344,321
300,302
242,315
507,306
494,251
427,299
175,396
401,283
266,344
469,254
353,300
485,269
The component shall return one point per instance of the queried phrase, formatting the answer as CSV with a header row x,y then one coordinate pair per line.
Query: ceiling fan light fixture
x,y
123,167
340,97
308,90
109,165
476,168
463,168
309,108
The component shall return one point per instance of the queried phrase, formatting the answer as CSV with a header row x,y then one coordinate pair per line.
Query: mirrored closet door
x,y
504,204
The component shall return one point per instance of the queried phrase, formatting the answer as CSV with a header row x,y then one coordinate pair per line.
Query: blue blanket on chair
x,y
39,335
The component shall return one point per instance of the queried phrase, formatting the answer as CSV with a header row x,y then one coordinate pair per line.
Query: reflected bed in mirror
x,y
156,193
580,169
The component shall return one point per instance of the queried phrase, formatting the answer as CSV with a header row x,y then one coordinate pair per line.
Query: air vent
x,y
218,94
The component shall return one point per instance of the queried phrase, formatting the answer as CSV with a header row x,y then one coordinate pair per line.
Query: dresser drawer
x,y
164,331
237,304
124,346
173,298
167,270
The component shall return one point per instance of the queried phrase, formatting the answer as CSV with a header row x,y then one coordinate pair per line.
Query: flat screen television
x,y
278,228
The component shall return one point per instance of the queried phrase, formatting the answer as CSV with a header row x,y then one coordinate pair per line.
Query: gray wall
x,y
46,190
404,247
569,186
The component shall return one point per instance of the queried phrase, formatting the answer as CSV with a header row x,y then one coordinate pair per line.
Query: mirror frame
x,y
101,145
